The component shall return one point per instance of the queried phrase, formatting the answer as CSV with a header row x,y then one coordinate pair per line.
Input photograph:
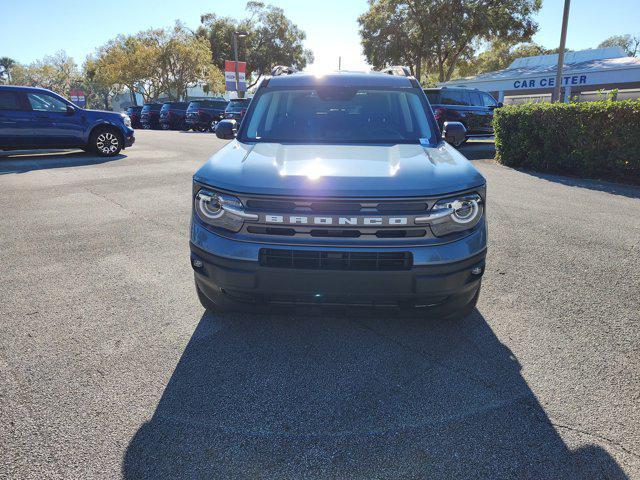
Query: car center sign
x,y
550,82
230,76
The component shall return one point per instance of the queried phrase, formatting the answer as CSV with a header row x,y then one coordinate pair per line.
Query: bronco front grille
x,y
330,260
356,211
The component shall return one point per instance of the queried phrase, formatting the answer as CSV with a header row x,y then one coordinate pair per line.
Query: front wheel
x,y
106,142
459,144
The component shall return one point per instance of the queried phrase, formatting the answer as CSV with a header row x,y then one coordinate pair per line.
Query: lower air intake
x,y
325,260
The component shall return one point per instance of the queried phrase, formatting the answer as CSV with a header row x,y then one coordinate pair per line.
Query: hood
x,y
404,170
102,113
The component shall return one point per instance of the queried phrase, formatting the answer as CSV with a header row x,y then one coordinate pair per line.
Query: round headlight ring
x,y
464,211
211,208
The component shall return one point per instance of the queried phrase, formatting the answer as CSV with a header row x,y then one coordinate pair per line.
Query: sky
x,y
31,29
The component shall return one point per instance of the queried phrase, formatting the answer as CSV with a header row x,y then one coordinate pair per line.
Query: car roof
x,y
341,78
19,88
437,89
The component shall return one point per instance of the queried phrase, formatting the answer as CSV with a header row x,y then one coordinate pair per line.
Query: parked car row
x,y
32,118
197,115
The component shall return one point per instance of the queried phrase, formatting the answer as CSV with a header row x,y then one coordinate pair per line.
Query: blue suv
x,y
33,118
339,190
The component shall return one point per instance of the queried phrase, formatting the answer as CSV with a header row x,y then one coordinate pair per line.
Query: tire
x,y
468,309
204,301
106,141
459,144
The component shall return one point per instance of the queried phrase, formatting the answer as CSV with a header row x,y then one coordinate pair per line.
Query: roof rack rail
x,y
399,70
282,70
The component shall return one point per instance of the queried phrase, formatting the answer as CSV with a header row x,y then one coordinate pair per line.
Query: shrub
x,y
590,139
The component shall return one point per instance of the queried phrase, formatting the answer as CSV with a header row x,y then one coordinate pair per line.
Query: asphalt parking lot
x,y
109,368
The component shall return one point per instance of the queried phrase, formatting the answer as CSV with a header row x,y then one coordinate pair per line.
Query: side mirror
x,y
454,133
70,110
499,105
226,129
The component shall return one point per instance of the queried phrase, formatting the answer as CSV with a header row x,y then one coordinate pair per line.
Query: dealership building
x,y
587,75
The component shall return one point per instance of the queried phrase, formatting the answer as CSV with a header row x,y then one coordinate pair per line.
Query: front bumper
x,y
196,122
129,137
443,276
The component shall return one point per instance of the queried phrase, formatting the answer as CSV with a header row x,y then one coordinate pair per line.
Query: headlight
x,y
221,210
456,214
126,120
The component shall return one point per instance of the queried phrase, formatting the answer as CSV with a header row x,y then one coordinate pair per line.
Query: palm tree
x,y
6,65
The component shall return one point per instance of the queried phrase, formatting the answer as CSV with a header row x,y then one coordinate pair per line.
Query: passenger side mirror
x,y
226,129
454,133
70,110
499,105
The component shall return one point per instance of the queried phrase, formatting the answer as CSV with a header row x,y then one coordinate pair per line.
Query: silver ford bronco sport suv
x,y
339,189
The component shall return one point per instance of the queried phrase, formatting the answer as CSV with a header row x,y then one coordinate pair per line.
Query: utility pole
x,y
339,63
557,89
236,35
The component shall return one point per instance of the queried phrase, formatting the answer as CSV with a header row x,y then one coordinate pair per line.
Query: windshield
x,y
339,114
150,108
174,105
207,104
236,106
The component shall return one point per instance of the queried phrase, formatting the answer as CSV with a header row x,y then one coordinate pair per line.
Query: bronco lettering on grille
x,y
334,220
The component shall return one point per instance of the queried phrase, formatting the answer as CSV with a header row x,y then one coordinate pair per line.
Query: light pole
x,y
555,97
237,35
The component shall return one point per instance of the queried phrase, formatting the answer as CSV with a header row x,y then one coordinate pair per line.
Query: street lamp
x,y
236,35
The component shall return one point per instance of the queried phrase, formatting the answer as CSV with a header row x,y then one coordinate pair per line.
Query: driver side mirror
x,y
454,133
226,129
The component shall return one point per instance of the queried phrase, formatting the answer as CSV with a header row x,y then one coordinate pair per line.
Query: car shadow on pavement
x,y
342,397
23,161
630,191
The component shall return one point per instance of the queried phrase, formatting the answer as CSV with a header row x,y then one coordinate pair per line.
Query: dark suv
x,y
236,108
33,118
172,115
471,107
201,113
134,114
150,115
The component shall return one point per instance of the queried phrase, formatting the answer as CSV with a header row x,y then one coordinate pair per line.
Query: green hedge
x,y
590,139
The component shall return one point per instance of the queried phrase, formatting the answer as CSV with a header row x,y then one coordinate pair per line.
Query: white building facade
x,y
586,74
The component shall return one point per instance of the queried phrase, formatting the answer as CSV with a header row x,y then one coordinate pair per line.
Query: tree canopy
x,y
434,35
497,55
6,66
155,62
56,72
629,43
271,39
